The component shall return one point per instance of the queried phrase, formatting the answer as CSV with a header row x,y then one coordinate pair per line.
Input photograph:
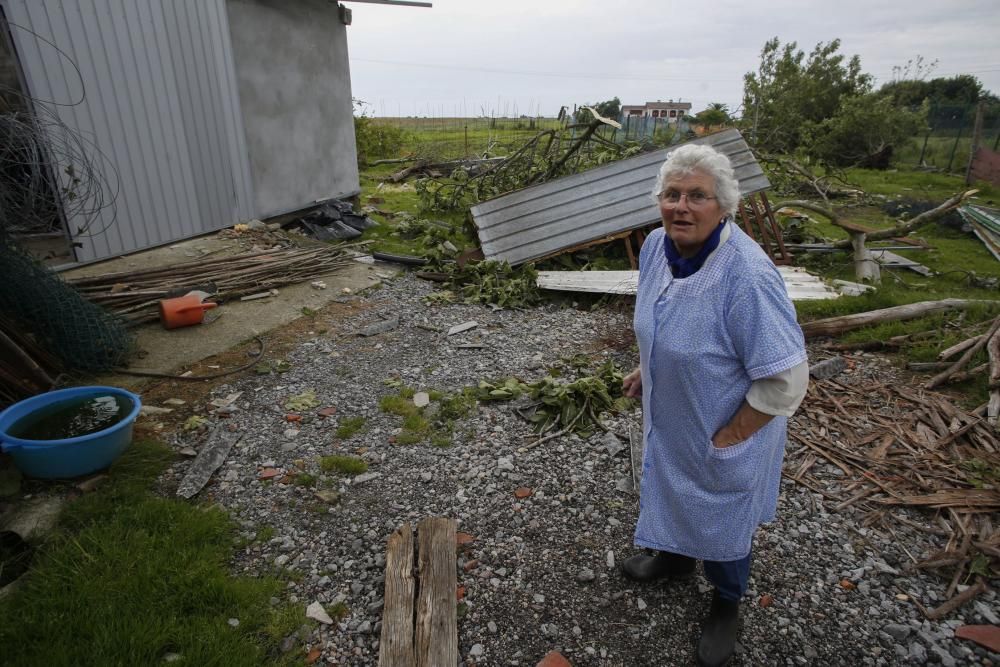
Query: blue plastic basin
x,y
69,457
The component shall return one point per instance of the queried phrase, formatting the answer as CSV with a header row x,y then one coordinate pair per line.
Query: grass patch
x,y
305,479
399,405
456,406
349,427
137,576
418,426
349,465
917,184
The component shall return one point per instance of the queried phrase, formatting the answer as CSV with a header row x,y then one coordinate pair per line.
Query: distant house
x,y
673,111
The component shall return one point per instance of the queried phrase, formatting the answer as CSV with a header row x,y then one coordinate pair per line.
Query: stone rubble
x,y
539,570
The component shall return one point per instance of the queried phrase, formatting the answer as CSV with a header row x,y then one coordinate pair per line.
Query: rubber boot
x,y
718,632
662,565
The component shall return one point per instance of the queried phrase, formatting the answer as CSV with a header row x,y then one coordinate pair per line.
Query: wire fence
x,y
453,138
947,141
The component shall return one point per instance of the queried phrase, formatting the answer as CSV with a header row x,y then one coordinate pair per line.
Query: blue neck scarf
x,y
682,267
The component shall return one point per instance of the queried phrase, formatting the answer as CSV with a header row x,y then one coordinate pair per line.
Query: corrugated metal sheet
x,y
542,220
155,94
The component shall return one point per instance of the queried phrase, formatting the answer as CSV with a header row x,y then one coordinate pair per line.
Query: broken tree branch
x,y
993,406
957,601
964,359
901,229
832,326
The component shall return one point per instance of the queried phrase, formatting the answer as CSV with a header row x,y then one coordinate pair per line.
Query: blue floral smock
x,y
702,341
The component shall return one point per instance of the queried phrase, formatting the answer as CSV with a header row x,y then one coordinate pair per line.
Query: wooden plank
x,y
396,645
436,641
800,285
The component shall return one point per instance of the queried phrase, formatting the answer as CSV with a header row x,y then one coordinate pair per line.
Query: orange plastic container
x,y
183,311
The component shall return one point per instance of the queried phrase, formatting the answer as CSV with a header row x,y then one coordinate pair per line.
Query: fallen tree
x,y
833,326
865,266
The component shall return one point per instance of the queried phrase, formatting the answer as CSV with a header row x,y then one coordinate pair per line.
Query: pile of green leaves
x,y
574,406
549,154
490,282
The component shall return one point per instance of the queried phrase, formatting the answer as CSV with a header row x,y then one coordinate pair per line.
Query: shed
x,y
200,113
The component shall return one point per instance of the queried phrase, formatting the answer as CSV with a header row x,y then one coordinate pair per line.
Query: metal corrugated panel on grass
x,y
543,220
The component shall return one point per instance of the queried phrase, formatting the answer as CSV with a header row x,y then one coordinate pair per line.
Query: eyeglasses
x,y
673,198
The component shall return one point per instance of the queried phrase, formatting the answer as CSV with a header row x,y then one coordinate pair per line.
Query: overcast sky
x,y
473,57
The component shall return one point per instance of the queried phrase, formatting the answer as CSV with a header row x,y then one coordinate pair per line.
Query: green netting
x,y
81,334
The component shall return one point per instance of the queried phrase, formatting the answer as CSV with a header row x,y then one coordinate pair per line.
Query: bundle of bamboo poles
x,y
135,295
905,447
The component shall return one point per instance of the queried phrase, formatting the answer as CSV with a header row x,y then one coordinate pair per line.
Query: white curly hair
x,y
695,157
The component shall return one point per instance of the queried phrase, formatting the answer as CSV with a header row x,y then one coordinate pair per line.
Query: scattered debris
x,y
892,260
828,368
226,402
91,483
259,295
316,612
302,402
985,223
153,410
194,422
899,447
328,496
944,375
212,454
334,220
318,284
382,326
459,328
574,406
421,399
984,635
848,288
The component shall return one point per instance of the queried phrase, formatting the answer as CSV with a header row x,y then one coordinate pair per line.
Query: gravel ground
x,y
541,573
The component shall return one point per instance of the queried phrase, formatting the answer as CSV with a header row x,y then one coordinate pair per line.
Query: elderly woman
x,y
722,365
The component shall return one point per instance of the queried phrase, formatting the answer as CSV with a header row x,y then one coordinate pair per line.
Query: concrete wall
x,y
294,87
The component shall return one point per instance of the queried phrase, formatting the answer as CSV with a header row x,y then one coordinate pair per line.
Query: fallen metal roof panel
x,y
609,200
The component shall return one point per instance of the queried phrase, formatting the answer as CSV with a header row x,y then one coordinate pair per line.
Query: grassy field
x,y
940,151
447,138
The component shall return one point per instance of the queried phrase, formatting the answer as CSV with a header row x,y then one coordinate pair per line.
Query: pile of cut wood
x,y
135,295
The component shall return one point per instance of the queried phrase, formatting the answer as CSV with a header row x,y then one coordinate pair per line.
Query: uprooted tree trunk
x,y
865,266
833,326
